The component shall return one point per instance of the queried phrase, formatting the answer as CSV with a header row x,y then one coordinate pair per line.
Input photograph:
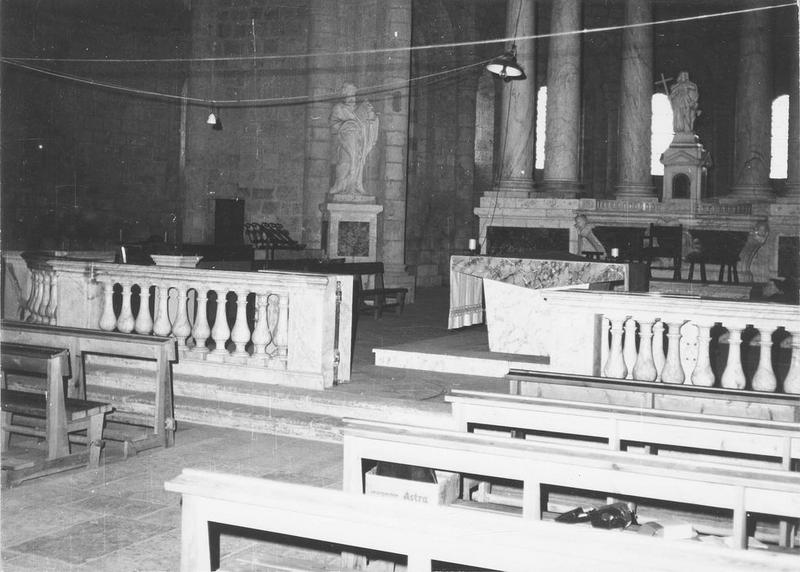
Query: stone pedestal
x,y
352,229
685,163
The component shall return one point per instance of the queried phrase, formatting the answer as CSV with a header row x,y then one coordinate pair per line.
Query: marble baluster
x,y
107,319
673,369
260,332
52,305
162,325
273,309
764,377
144,321
125,320
645,367
791,384
615,365
221,332
240,334
36,296
44,300
629,346
702,374
733,376
659,359
201,329
181,328
282,326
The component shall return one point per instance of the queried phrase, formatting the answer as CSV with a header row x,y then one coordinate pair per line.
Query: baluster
x,y
52,305
240,334
764,377
108,320
273,303
629,346
792,382
125,320
36,296
27,315
673,370
282,326
733,376
260,332
615,366
41,309
703,375
645,368
658,348
201,330
220,332
181,328
162,327
144,322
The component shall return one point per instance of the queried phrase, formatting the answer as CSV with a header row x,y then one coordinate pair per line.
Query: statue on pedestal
x,y
683,96
355,131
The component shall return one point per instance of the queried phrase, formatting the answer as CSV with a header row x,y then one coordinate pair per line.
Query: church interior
x,y
266,262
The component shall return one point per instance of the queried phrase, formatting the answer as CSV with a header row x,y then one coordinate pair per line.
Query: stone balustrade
x,y
676,339
272,327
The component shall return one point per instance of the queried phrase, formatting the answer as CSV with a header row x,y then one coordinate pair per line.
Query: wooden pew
x,y
538,464
655,395
424,533
62,416
81,341
619,425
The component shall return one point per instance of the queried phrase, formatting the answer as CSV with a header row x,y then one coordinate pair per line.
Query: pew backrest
x,y
426,533
620,424
537,464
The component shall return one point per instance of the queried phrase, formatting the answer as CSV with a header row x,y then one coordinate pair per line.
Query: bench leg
x,y
94,436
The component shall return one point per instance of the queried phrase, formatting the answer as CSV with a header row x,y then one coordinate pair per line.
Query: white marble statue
x,y
683,95
355,131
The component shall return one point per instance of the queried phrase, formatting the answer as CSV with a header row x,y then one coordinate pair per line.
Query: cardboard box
x,y
444,491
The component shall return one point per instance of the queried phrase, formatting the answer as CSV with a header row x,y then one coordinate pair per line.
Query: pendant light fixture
x,y
506,66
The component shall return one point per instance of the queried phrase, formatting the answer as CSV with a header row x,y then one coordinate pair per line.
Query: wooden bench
x,y
656,396
620,425
538,465
82,341
424,534
62,416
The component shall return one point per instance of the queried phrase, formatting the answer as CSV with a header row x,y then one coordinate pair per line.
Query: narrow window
x,y
780,138
661,132
541,125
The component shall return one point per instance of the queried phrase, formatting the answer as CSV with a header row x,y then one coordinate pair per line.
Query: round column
x,y
793,171
753,110
518,110
562,140
636,91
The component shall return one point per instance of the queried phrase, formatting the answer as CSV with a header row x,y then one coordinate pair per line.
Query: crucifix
x,y
663,81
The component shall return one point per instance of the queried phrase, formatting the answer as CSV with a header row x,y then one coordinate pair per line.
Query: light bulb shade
x,y
212,118
506,67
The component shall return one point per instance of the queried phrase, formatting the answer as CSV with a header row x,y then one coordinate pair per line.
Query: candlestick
x,y
473,244
614,252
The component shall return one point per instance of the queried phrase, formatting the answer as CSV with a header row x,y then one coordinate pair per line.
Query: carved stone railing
x,y
271,327
648,337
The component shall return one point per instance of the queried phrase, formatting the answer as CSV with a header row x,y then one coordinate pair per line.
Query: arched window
x,y
780,138
541,125
661,132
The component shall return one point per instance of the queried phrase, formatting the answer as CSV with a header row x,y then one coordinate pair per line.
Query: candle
x,y
124,256
614,252
473,244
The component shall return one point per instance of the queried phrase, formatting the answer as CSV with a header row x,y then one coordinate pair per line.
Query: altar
x,y
510,293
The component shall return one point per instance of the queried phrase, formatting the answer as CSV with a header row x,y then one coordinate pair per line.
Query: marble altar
x,y
514,288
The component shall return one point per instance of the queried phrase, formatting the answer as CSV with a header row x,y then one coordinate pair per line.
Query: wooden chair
x,y
664,242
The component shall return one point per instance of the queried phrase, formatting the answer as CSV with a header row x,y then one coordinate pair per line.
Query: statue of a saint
x,y
355,131
683,96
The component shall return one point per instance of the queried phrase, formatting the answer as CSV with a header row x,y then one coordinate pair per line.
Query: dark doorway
x,y
228,221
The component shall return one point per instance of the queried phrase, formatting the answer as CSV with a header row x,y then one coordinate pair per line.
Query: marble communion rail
x,y
274,327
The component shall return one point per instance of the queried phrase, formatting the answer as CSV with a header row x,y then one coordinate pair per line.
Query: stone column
x,y
518,110
562,140
751,156
394,125
636,92
793,167
322,83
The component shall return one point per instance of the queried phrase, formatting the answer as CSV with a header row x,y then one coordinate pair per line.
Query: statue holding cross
x,y
683,95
